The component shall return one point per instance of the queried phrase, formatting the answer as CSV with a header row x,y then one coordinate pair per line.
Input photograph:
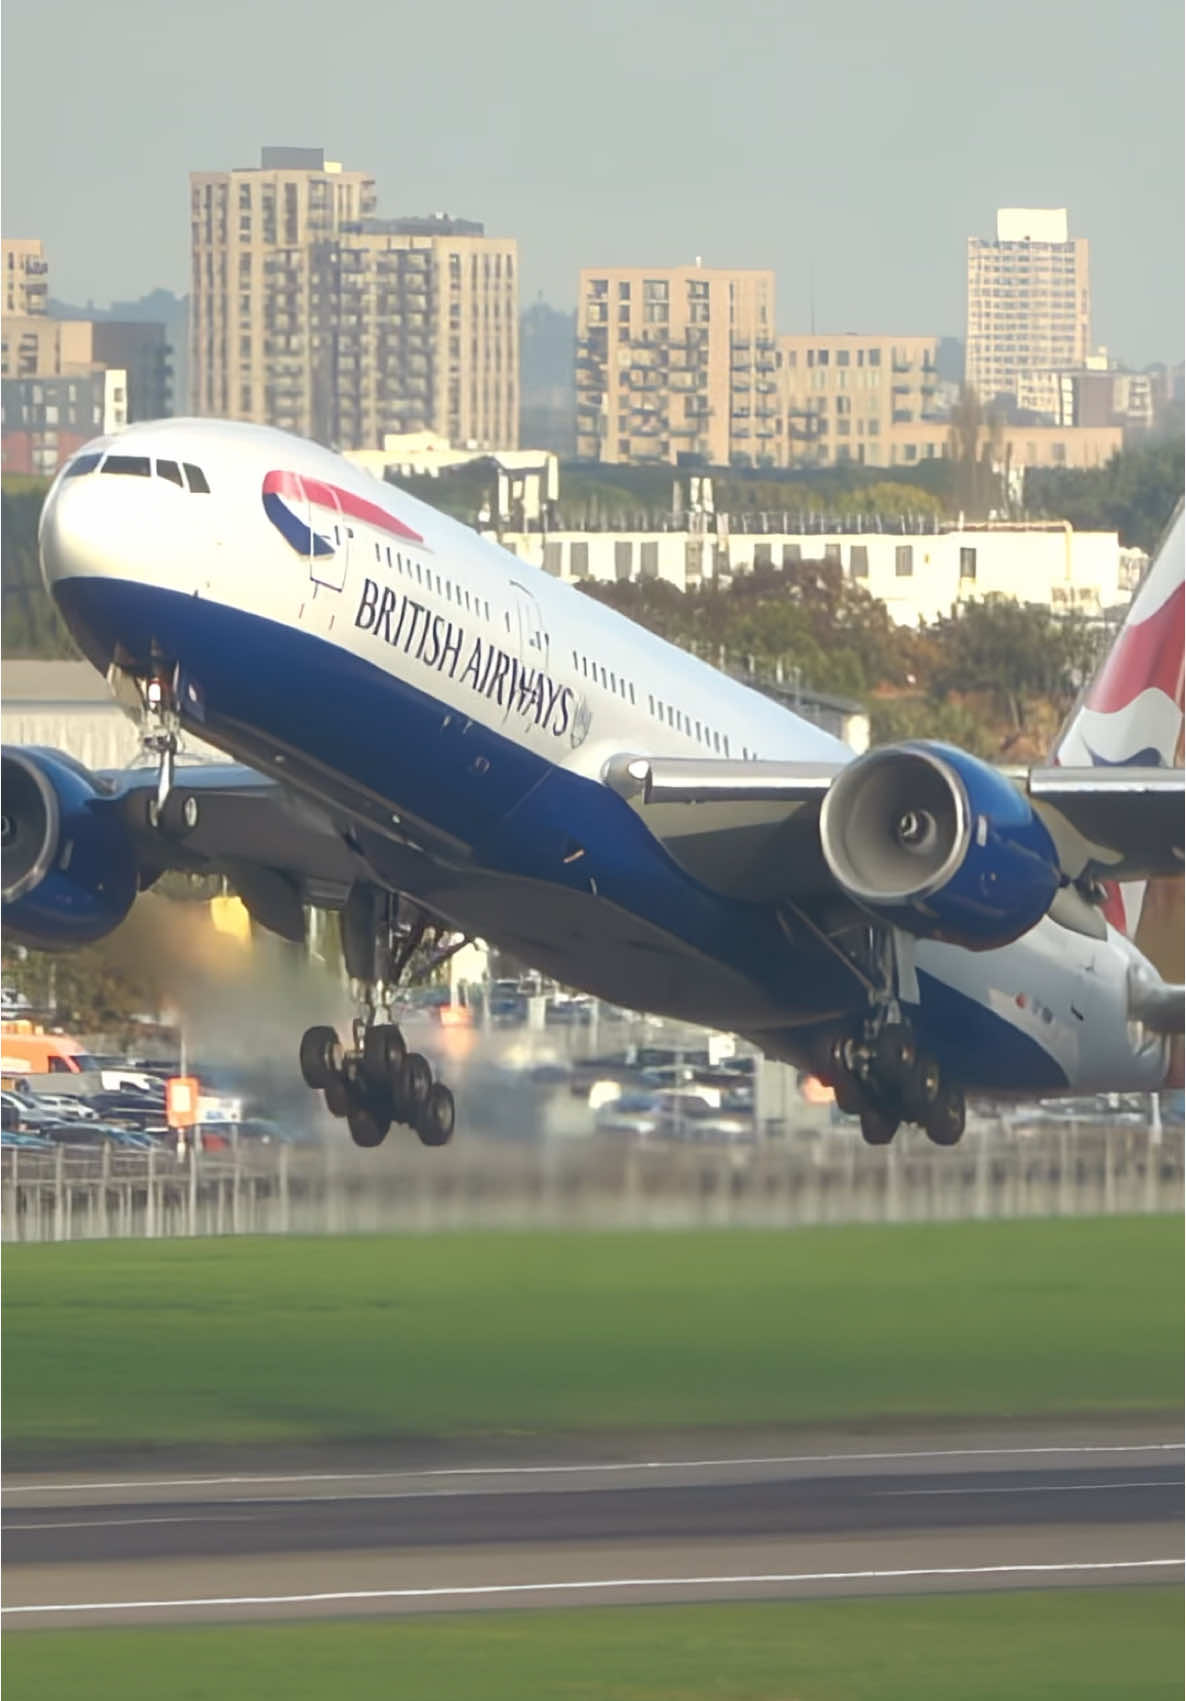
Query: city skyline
x,y
802,143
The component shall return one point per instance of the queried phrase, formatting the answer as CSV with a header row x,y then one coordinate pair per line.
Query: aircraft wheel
x,y
877,1129
368,1125
896,1052
437,1117
921,1089
383,1053
320,1056
946,1117
415,1087
337,1096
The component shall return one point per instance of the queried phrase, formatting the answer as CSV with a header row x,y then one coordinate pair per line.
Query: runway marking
x,y
576,1469
475,1589
1023,1488
214,1516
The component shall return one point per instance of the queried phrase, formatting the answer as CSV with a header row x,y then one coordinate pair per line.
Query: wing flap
x,y
1119,823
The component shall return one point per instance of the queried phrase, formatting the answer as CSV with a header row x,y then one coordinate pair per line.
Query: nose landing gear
x,y
378,1081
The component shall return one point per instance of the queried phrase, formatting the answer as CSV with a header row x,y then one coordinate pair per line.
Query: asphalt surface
x,y
927,1513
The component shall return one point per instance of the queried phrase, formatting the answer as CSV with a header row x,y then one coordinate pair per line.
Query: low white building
x,y
918,576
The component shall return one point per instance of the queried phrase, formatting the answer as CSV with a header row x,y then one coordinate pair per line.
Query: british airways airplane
x,y
437,740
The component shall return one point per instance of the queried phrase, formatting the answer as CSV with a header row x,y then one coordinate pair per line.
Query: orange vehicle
x,y
28,1053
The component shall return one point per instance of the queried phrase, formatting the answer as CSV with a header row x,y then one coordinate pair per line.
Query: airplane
x,y
439,741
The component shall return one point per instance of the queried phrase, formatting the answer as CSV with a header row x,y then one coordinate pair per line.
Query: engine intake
x,y
68,865
932,840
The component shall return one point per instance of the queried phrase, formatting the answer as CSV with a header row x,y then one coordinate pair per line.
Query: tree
x,y
1017,652
974,447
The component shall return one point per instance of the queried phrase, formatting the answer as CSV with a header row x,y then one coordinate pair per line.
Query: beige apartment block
x,y
252,236
33,346
844,396
26,275
677,360
1029,300
1014,447
419,331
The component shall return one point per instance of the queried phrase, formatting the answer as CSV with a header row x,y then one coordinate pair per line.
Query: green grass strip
x,y
364,1339
1051,1645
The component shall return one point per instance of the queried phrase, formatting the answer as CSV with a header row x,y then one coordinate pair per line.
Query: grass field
x,y
1074,1645
266,1340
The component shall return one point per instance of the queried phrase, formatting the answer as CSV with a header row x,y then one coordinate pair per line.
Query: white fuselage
x,y
293,553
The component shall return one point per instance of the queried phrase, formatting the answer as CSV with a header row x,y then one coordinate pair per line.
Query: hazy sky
x,y
856,140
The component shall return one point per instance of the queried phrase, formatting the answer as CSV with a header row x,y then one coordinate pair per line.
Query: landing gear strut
x,y
377,1080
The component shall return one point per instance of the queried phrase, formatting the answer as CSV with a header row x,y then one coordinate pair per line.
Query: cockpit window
x,y
132,466
171,471
197,479
83,464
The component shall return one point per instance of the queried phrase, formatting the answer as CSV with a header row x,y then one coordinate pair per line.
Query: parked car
x,y
11,1141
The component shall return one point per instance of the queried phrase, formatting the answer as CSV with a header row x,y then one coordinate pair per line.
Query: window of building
x,y
842,357
623,292
649,560
874,357
578,560
623,558
832,554
762,554
967,563
821,357
858,561
904,560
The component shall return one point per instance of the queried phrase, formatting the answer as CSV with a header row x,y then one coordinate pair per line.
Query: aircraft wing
x,y
278,850
751,829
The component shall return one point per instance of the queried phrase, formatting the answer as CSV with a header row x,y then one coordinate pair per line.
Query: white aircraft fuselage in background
x,y
458,709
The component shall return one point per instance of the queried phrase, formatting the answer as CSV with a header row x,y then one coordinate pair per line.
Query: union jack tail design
x,y
1131,715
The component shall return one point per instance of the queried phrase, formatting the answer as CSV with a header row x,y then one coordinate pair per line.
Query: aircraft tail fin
x,y
1130,715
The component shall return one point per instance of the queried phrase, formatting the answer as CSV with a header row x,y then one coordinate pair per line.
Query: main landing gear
x,y
880,1075
378,1081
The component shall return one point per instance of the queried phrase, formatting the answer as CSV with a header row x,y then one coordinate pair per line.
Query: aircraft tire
x,y
318,1056
921,1089
437,1117
945,1120
367,1123
415,1086
877,1129
337,1097
383,1053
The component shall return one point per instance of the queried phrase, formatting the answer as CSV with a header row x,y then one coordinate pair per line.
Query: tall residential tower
x,y
1029,300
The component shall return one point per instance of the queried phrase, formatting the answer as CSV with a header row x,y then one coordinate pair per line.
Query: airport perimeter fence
x,y
594,1184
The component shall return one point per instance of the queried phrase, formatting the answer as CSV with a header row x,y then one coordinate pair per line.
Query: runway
x,y
1004,1511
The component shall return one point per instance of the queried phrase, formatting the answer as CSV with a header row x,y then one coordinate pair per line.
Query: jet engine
x,y
69,866
929,839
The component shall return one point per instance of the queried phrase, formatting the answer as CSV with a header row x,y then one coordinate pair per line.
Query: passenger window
x,y
171,471
84,464
58,1066
131,466
197,479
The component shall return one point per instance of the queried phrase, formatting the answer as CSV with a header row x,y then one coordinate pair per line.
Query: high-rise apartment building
x,y
851,397
416,328
252,236
26,275
677,361
1029,300
310,314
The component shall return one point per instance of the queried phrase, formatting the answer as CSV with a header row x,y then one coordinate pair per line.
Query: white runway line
x,y
578,1469
478,1589
1023,1488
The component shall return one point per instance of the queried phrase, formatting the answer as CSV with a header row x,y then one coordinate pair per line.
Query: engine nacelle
x,y
69,867
934,841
